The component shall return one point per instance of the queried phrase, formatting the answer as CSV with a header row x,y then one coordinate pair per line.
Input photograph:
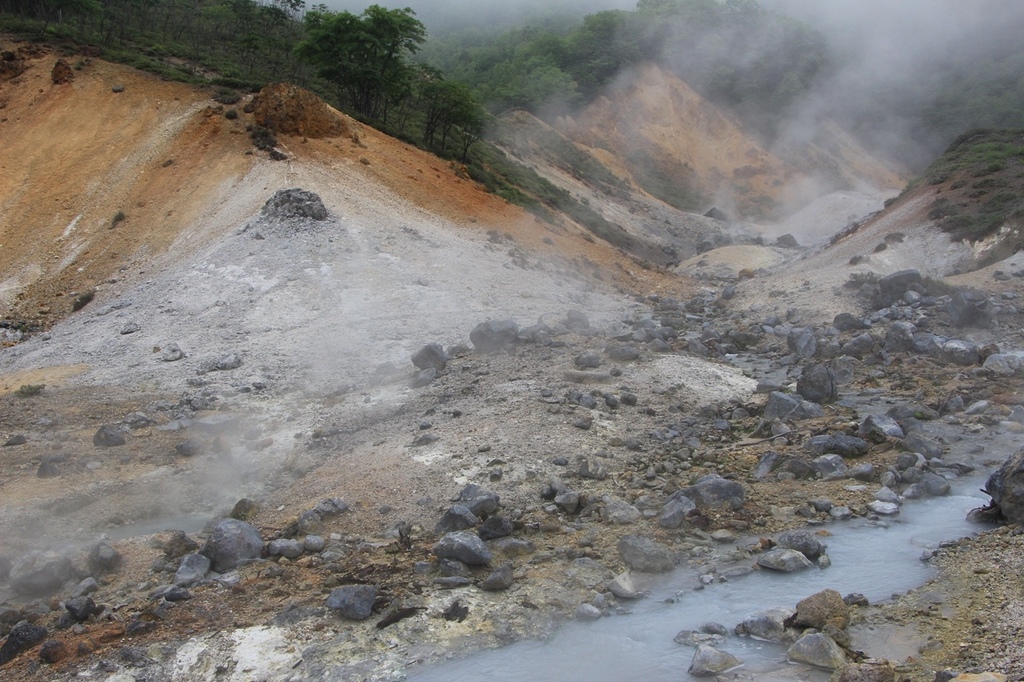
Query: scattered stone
x,y
839,444
465,546
676,509
192,570
1006,487
61,73
424,377
622,586
175,543
80,608
22,637
354,602
189,448
768,625
784,406
879,429
709,661
883,508
587,612
696,638
714,492
785,560
232,544
48,469
803,541
588,360
479,500
221,364
40,573
495,527
622,352
171,593
645,555
289,549
817,384
927,446
17,439
499,579
491,336
431,356
53,651
819,650
107,437
171,353
821,609
458,517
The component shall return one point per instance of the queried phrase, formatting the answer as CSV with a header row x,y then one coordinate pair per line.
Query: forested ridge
x,y
439,92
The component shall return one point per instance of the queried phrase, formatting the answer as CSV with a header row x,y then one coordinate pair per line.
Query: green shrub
x,y
226,96
29,390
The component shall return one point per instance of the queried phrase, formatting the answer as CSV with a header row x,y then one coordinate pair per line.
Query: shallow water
x,y
867,558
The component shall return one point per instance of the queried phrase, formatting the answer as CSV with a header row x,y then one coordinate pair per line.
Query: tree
x,y
364,56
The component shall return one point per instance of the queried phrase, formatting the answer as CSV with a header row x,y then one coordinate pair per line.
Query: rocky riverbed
x,y
481,491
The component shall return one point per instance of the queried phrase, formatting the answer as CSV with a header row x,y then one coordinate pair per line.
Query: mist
x,y
894,62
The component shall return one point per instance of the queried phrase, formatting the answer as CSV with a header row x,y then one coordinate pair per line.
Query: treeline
x,y
362,63
754,62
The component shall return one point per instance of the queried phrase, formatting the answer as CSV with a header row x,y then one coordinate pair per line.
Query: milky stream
x,y
868,558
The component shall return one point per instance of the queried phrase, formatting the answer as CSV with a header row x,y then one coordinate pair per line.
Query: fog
x,y
892,57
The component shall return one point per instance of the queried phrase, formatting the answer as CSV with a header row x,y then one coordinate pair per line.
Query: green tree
x,y
365,57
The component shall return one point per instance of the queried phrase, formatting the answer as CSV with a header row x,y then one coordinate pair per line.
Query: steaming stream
x,y
874,559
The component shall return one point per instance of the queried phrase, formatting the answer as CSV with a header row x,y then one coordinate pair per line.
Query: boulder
x,y
784,560
784,406
823,608
829,467
108,437
879,429
847,322
231,544
819,650
768,625
803,541
714,492
103,558
969,308
499,579
622,586
899,337
893,286
430,356
22,637
478,500
495,527
1006,487
354,602
708,661
817,384
675,511
40,573
465,546
646,555
860,345
491,336
192,570
838,444
283,547
458,517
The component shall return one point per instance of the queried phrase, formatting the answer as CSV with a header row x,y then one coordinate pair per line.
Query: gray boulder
x,y
927,446
784,406
830,467
930,485
784,560
899,337
231,544
768,625
499,579
1006,487
495,527
192,569
430,356
1002,365
465,546
839,444
283,547
708,661
646,555
969,308
354,602
479,500
714,492
847,322
961,353
491,336
108,437
817,384
458,517
676,508
879,429
103,558
892,287
22,637
819,650
860,345
40,573
622,586
803,541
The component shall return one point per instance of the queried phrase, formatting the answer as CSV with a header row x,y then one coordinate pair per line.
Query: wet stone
x,y
818,650
354,602
645,555
784,560
708,661
465,546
